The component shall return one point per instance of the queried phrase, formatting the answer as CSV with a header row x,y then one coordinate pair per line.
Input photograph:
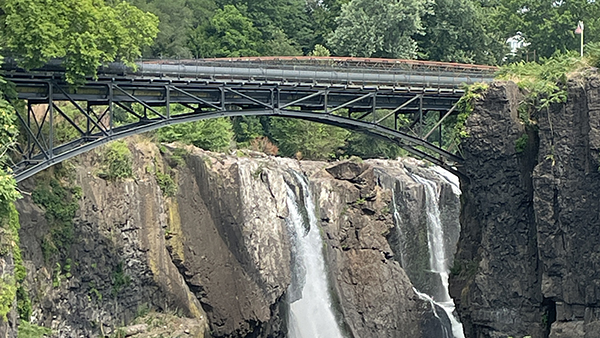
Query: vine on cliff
x,y
465,108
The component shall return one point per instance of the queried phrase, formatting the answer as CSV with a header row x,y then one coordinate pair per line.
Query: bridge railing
x,y
347,71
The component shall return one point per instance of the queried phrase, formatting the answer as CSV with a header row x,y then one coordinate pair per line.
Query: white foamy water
x,y
310,316
438,261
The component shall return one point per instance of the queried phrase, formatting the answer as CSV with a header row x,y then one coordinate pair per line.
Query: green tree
x,y
320,50
379,28
323,14
308,140
178,18
457,31
548,26
272,16
228,34
213,134
85,33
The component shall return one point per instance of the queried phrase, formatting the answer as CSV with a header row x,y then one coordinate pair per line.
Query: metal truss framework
x,y
109,109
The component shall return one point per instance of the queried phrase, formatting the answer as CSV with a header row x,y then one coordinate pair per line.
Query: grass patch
x,y
28,330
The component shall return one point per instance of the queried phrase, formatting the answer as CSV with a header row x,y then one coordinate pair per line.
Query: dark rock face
x,y
529,247
567,204
496,284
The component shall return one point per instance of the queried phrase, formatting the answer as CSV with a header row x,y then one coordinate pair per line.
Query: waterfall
x,y
438,261
311,314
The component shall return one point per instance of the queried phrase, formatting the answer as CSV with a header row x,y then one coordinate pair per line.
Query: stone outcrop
x,y
120,263
376,295
528,253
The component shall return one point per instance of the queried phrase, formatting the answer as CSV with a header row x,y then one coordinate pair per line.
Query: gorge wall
x,y
529,251
220,251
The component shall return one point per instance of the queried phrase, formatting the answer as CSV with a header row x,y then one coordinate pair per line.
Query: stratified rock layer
x,y
529,251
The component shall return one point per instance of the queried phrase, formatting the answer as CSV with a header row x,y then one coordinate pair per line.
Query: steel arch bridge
x,y
368,95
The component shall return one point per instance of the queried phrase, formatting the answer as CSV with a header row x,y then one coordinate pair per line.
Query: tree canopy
x,y
85,33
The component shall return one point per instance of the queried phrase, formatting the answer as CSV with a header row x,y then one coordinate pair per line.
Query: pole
x,y
582,38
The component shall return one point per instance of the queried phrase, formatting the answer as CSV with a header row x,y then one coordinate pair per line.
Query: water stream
x,y
311,313
438,261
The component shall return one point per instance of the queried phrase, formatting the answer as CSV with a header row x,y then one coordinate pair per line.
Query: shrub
x,y
213,134
166,183
521,143
118,160
28,330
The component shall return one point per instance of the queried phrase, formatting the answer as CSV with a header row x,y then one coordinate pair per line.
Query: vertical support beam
x,y
111,114
440,129
325,103
168,101
29,146
51,112
421,115
374,107
87,120
222,98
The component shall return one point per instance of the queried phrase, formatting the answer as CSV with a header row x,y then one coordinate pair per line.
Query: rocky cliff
x,y
219,251
528,252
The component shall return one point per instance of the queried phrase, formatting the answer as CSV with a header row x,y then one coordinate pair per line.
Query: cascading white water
x,y
310,316
437,253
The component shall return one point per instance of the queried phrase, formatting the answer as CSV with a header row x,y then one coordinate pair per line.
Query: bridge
x,y
374,96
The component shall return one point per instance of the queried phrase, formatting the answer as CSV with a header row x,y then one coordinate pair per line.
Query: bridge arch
x,y
35,164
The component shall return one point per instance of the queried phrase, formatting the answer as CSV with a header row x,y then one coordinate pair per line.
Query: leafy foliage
x,y
8,291
459,31
544,82
465,108
378,28
213,134
228,34
308,140
547,26
521,143
166,183
86,33
28,330
118,161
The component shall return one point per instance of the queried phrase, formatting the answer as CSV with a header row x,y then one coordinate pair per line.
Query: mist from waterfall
x,y
311,314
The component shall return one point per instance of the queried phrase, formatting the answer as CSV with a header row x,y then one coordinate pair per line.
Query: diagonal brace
x,y
66,117
35,139
398,109
249,98
348,103
73,102
440,121
194,97
139,101
321,92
